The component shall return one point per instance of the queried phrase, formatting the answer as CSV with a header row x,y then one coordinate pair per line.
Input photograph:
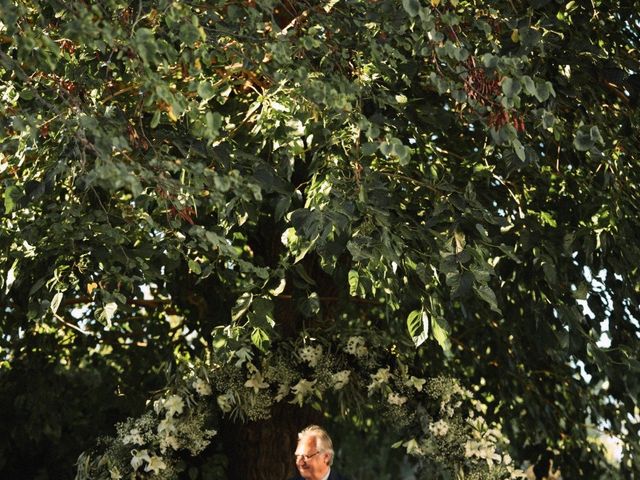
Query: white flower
x,y
155,464
226,402
301,390
139,457
396,399
283,390
356,346
482,449
173,405
169,441
413,448
115,473
134,436
479,406
166,426
415,382
311,355
382,375
244,355
439,428
340,379
202,387
256,382
446,409
378,379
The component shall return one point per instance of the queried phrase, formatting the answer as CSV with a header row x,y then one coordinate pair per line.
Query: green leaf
x,y
519,149
441,331
530,37
55,302
11,197
279,289
583,140
11,276
214,122
194,267
490,61
206,90
529,85
548,119
310,306
547,218
544,90
386,149
108,311
242,305
283,204
511,87
418,326
395,148
594,134
353,282
260,338
412,7
147,47
368,148
485,292
155,120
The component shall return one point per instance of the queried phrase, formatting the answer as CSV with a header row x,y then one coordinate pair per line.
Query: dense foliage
x,y
454,181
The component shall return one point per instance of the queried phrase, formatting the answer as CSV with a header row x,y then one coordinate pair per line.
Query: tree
x,y
452,181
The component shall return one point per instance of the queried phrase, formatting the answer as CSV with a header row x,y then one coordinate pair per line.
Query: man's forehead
x,y
306,441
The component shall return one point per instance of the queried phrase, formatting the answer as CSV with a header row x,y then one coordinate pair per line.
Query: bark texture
x,y
264,450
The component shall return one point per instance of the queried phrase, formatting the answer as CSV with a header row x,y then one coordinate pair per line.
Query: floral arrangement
x,y
440,423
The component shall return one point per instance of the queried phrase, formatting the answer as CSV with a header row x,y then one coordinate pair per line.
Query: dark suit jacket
x,y
332,476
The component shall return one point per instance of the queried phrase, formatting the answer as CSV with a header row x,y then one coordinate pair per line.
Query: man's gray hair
x,y
323,440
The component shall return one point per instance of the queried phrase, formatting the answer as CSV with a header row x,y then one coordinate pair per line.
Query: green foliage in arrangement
x,y
453,181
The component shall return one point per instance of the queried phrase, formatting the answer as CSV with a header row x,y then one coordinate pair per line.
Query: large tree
x,y
454,182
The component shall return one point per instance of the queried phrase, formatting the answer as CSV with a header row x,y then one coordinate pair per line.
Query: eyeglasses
x,y
305,457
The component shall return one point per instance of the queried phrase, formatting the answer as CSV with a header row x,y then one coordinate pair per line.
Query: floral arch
x,y
437,421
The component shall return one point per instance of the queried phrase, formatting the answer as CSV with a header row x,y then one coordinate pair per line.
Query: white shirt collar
x,y
326,477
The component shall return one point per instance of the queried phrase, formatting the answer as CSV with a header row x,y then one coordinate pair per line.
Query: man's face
x,y
312,464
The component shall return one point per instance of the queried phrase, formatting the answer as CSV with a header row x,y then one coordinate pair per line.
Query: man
x,y
314,455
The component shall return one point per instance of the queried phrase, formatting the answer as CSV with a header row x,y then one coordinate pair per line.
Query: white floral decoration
x,y
396,399
340,379
155,464
169,430
169,441
311,355
202,387
413,447
166,426
139,458
356,346
256,380
134,436
283,391
415,382
439,428
482,444
244,354
302,390
226,401
174,405
380,378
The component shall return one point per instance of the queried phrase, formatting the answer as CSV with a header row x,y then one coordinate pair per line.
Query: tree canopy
x,y
451,181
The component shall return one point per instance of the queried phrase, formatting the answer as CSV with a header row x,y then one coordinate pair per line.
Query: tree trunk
x,y
263,450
